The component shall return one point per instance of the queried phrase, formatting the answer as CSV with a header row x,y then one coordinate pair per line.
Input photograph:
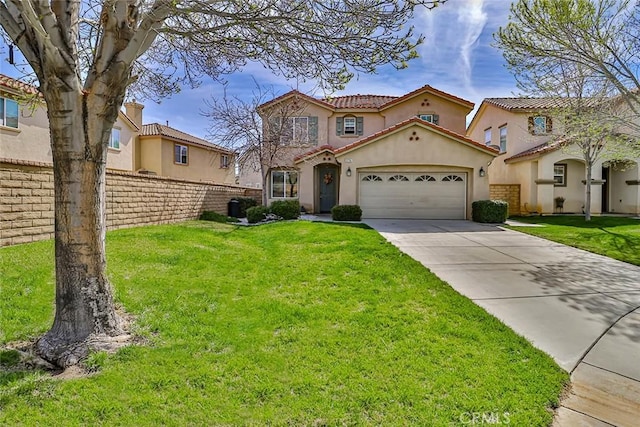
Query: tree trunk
x,y
84,299
587,202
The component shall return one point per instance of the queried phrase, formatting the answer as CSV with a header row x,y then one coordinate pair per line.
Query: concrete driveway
x,y
580,308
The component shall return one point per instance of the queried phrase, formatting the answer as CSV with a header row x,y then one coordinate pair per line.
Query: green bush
x,y
285,209
346,213
257,214
245,203
216,217
493,211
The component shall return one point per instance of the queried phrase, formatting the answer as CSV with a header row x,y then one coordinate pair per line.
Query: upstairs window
x,y
8,113
431,118
349,125
224,161
181,154
296,130
300,131
503,139
487,136
114,141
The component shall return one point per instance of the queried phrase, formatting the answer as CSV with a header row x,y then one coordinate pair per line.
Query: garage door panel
x,y
423,195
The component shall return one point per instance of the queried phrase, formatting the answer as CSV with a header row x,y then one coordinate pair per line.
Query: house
x,y
24,128
150,148
535,164
395,156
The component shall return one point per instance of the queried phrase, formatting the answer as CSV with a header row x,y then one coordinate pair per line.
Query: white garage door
x,y
419,195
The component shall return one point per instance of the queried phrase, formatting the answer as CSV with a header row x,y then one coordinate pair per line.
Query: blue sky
x,y
456,57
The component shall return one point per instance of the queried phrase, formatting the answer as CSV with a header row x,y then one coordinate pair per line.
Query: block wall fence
x,y
26,200
510,193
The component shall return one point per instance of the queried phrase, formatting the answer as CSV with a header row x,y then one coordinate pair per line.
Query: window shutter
x,y
359,125
530,124
313,129
436,119
549,125
339,125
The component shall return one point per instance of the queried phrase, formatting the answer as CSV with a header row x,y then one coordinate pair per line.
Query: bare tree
x,y
260,132
87,54
583,53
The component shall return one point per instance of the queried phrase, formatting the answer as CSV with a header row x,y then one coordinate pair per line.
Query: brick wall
x,y
26,200
510,193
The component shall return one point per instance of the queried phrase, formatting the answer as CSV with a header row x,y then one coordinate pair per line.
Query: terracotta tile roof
x,y
367,101
528,104
417,120
359,101
537,150
12,83
427,88
156,129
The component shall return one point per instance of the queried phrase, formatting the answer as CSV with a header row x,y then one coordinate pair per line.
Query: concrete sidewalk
x,y
580,308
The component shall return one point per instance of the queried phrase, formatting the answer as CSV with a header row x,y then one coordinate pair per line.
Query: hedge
x,y
285,209
346,213
492,211
257,214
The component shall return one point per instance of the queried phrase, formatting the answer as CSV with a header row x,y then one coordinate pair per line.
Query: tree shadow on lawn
x,y
595,288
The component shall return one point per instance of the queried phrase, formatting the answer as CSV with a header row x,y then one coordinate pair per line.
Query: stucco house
x,y
396,156
533,163
150,148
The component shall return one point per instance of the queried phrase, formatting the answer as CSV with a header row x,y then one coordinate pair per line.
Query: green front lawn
x,y
615,237
291,323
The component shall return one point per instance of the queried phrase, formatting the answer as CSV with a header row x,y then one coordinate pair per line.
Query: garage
x,y
415,195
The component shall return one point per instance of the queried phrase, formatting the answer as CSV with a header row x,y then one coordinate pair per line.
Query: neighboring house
x,y
24,128
152,148
166,151
533,159
396,157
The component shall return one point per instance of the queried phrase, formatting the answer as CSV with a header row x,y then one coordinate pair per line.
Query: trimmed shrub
x,y
492,211
257,214
245,203
285,209
346,213
216,217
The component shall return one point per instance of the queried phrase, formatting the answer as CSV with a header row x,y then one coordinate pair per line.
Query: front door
x,y
328,176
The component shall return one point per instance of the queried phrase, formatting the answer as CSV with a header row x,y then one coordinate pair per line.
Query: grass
x,y
615,237
290,323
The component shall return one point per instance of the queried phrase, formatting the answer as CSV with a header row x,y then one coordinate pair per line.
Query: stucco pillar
x,y
545,187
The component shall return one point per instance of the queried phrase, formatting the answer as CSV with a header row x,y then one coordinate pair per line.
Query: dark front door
x,y
605,190
328,186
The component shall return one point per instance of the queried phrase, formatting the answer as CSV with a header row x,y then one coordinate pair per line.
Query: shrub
x,y
245,203
216,217
285,209
346,213
257,214
494,211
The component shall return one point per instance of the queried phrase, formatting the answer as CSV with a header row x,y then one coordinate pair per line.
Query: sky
x,y
456,57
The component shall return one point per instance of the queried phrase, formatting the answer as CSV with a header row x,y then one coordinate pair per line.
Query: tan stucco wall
x,y
452,115
203,164
623,197
372,122
432,152
31,141
151,154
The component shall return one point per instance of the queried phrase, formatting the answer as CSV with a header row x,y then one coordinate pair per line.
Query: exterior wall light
x,y
348,171
481,172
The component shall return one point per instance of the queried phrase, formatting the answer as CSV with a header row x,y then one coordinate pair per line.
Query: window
x,y
560,174
487,136
181,154
503,139
114,141
427,178
398,178
426,117
452,178
369,178
349,125
539,125
224,161
284,184
300,129
8,113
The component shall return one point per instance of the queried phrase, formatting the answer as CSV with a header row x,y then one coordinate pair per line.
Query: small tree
x,y
261,134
